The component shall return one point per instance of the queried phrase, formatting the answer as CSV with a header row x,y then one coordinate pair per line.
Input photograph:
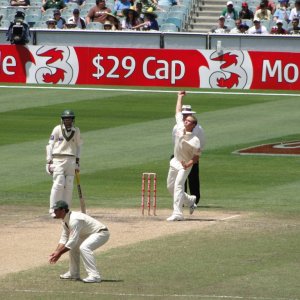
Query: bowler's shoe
x,y
175,218
92,279
193,206
68,276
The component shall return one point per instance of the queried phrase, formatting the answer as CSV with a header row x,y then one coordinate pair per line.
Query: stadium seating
x,y
168,27
267,24
248,22
4,3
230,23
37,3
32,19
40,24
180,9
33,11
4,23
176,18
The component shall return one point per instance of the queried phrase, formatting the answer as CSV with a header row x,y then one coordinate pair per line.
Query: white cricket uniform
x,y
198,131
186,147
63,148
83,234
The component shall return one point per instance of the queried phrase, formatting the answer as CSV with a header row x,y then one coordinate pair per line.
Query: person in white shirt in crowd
x,y
76,19
241,28
221,27
257,28
295,12
235,29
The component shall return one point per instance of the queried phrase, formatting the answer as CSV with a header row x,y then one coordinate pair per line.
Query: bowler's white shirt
x,y
187,145
198,131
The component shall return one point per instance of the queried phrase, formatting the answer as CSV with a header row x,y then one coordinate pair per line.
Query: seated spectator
x,y
236,28
53,4
120,5
269,5
263,13
221,27
295,29
77,20
243,28
278,29
257,28
98,12
19,2
114,20
140,10
51,24
282,12
107,25
70,24
131,18
229,12
239,27
146,4
295,12
245,12
60,21
150,22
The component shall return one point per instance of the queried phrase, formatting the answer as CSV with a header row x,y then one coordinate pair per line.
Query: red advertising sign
x,y
230,69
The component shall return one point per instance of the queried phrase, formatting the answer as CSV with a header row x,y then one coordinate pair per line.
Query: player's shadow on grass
x,y
201,220
112,280
209,206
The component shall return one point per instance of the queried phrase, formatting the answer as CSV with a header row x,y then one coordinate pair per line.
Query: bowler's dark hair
x,y
195,121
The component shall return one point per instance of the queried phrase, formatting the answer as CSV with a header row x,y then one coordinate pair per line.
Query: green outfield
x,y
126,133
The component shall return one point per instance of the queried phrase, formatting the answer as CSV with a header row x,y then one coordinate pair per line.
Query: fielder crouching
x,y
81,235
63,154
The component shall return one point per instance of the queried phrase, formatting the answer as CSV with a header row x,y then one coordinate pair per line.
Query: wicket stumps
x,y
149,176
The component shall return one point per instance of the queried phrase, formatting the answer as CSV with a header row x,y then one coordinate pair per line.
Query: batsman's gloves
x,y
49,169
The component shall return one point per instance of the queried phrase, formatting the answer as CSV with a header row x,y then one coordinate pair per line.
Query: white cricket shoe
x,y
175,218
193,206
68,276
92,279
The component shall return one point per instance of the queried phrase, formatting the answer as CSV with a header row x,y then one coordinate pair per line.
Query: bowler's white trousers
x,y
85,248
175,183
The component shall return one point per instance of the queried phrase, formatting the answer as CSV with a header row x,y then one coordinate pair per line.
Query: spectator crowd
x,y
85,14
264,18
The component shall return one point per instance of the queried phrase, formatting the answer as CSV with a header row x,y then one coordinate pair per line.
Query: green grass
x,y
127,133
233,263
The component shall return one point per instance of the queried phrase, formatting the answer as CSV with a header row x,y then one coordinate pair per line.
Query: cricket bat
x,y
81,199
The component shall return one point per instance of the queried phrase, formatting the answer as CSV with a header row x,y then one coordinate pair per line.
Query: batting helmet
x,y
68,114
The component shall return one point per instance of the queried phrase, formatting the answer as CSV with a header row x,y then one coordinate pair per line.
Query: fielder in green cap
x,y
81,236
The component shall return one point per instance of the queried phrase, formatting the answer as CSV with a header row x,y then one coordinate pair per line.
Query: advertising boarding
x,y
228,69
